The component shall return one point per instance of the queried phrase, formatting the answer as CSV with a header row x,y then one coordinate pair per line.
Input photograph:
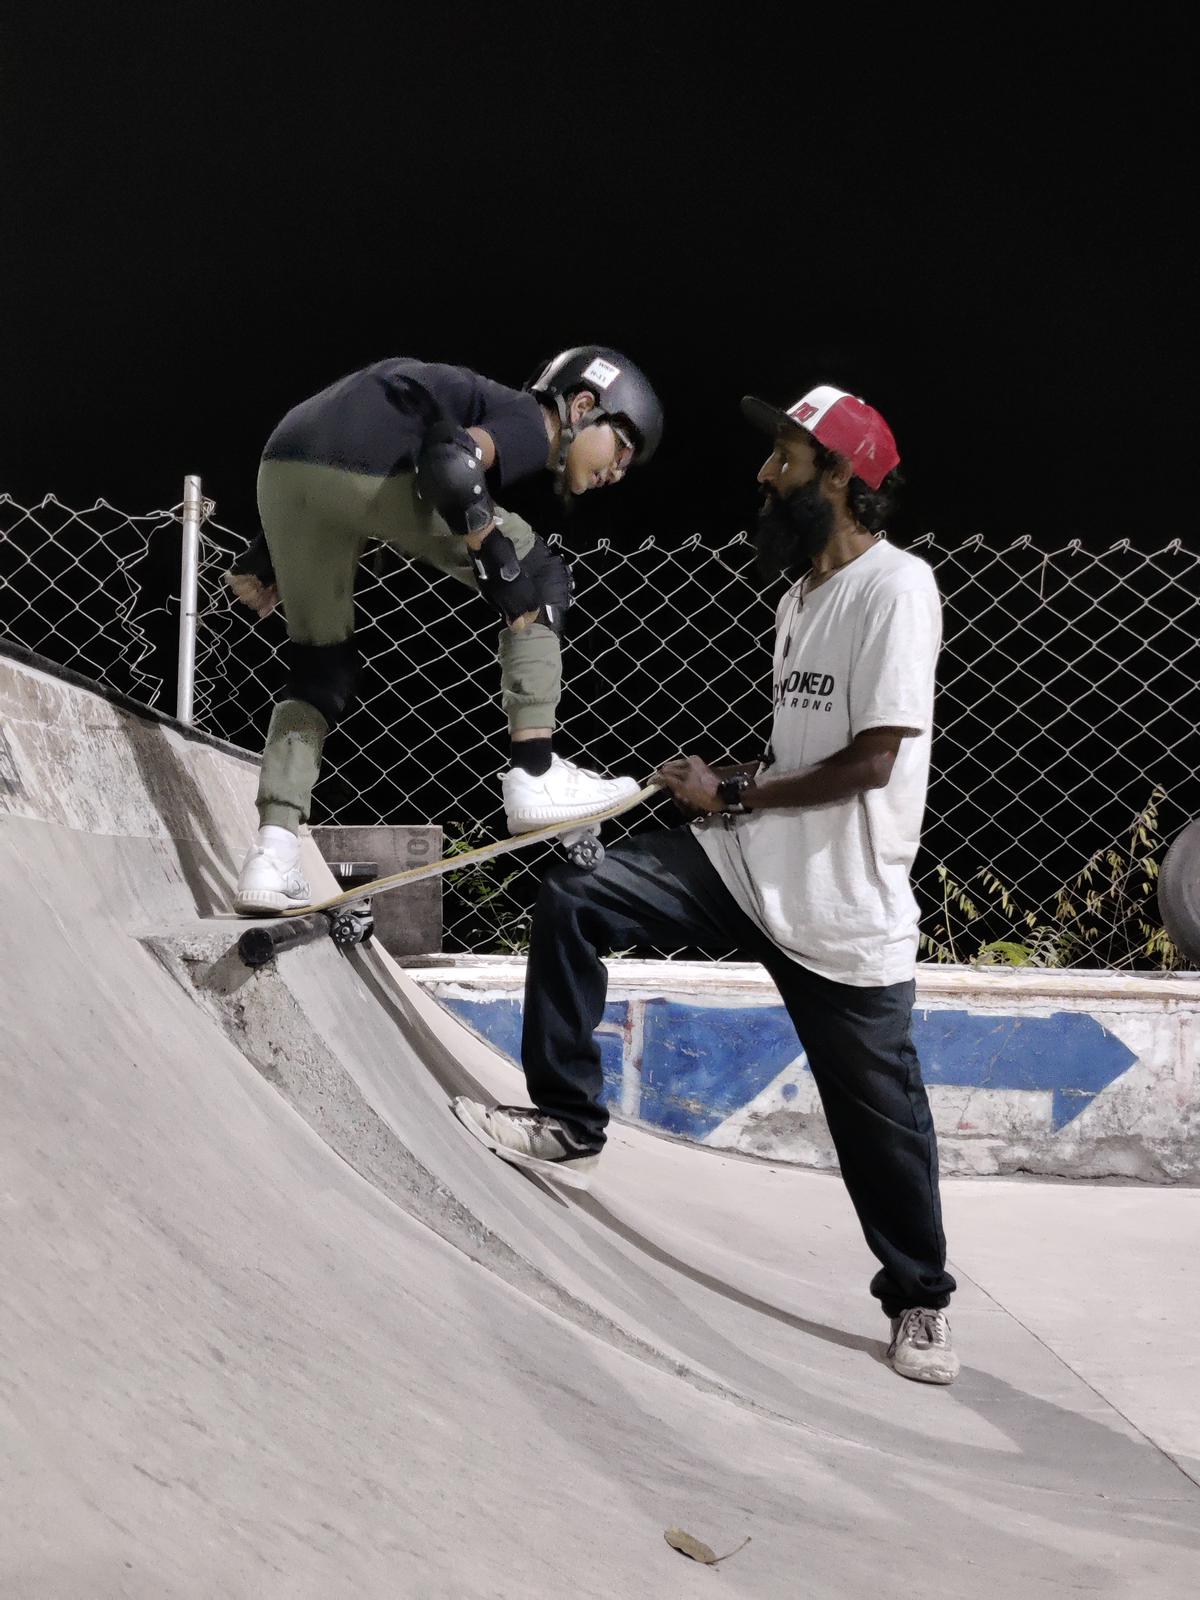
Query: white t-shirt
x,y
830,884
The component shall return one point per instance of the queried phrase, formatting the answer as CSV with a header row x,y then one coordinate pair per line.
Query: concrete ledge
x,y
1064,1073
748,976
101,691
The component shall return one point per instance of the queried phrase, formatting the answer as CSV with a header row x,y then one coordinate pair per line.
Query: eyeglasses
x,y
627,448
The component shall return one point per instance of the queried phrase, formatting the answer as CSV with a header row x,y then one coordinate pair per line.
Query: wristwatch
x,y
731,790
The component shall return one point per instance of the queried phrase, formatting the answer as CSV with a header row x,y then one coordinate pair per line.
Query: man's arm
x,y
891,697
865,763
727,769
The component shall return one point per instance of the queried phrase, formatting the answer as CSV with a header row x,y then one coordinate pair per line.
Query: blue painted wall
x,y
697,1065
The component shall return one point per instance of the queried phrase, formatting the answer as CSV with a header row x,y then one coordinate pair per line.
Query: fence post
x,y
193,512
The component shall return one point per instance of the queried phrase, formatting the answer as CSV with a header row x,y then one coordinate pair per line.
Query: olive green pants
x,y
318,521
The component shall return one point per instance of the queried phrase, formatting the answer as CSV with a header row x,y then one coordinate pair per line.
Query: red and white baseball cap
x,y
841,423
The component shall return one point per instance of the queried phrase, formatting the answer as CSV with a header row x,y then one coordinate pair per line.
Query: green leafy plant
x,y
1099,917
482,890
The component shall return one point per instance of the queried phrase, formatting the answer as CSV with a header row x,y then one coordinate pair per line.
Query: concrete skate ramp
x,y
273,1325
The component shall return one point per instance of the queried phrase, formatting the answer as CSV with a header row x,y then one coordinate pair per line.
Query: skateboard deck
x,y
588,824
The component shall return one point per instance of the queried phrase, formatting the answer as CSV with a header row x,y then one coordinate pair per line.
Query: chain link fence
x,y
1065,755
94,590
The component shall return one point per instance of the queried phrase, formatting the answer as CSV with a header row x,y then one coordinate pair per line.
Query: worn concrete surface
x,y
272,1325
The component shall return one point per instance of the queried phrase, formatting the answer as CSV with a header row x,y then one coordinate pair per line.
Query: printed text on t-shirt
x,y
805,691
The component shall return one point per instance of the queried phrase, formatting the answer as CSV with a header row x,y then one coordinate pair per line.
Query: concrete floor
x,y
273,1325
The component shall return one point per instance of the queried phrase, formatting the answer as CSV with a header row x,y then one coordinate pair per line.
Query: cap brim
x,y
767,419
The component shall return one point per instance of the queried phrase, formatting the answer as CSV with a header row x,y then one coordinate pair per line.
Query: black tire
x,y
1179,892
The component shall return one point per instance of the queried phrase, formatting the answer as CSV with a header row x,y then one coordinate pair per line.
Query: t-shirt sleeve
x,y
514,420
512,417
892,673
520,437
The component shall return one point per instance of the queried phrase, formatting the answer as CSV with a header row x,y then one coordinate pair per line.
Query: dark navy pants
x,y
661,890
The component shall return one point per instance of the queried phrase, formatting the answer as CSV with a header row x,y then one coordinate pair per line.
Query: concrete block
x,y
407,921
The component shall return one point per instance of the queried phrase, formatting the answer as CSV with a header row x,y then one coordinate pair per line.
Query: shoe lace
x,y
584,772
521,1113
924,1326
284,863
531,1116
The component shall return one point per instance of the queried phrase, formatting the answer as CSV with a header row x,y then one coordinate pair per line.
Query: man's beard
x,y
792,532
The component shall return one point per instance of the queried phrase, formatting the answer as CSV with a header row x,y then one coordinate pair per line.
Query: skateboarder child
x,y
408,452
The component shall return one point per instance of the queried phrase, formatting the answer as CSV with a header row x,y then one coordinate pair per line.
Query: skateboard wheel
x,y
586,852
351,927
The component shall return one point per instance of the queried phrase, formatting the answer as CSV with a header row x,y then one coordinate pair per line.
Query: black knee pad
x,y
324,676
555,586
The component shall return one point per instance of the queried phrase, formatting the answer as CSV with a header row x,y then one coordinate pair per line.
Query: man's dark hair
x,y
869,507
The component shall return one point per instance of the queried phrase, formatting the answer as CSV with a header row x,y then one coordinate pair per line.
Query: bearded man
x,y
801,861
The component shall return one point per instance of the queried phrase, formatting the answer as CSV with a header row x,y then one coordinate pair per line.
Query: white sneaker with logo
x,y
267,883
560,794
528,1138
920,1347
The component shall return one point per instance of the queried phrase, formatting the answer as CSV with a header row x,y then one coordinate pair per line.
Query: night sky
x,y
982,235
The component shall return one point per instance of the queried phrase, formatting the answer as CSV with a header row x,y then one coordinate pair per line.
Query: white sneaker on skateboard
x,y
529,1138
560,794
269,884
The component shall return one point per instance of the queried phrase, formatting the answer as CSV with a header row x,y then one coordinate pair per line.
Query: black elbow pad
x,y
449,471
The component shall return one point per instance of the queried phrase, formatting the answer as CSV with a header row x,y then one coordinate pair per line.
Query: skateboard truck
x,y
584,849
355,923
352,924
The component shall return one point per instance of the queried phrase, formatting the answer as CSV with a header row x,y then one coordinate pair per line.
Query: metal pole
x,y
193,510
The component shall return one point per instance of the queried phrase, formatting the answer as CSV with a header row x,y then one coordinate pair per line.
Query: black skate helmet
x,y
622,392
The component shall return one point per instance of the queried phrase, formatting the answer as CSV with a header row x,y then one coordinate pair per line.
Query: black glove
x,y
555,586
449,470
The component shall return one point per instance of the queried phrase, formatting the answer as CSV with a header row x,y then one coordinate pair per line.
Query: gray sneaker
x,y
920,1346
528,1138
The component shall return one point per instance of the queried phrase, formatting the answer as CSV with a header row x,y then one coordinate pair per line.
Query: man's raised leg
x,y
656,890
